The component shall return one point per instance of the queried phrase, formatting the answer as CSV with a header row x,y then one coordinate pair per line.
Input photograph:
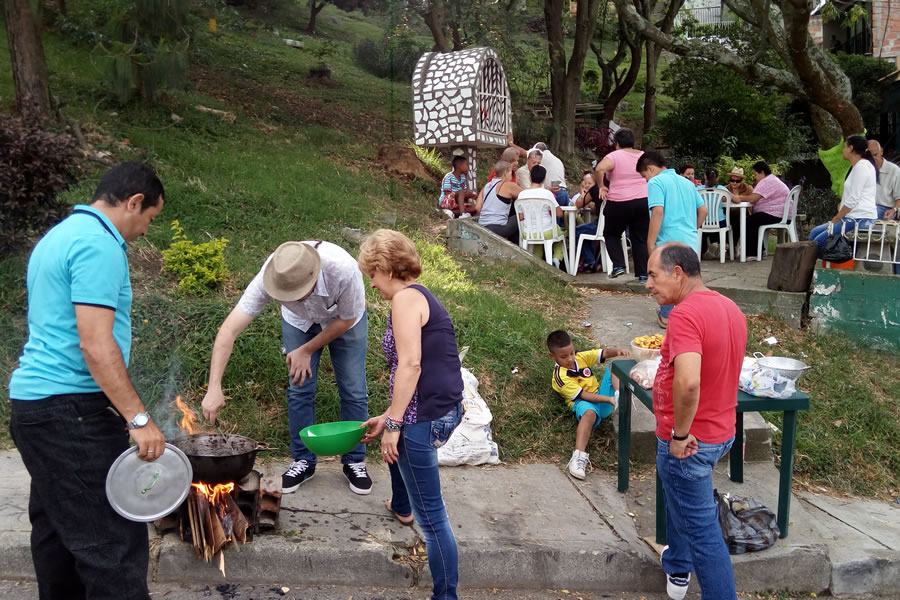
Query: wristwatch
x,y
679,438
392,425
139,420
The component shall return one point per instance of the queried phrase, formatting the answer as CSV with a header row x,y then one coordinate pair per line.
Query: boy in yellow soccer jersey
x,y
574,379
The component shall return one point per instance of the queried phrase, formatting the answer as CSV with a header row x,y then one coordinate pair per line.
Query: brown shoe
x,y
663,321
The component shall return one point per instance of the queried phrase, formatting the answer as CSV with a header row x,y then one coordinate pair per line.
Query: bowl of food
x,y
789,368
332,439
646,347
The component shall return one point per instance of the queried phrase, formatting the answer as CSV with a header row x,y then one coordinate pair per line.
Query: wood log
x,y
793,266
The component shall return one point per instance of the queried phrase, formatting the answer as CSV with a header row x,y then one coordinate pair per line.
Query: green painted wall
x,y
865,306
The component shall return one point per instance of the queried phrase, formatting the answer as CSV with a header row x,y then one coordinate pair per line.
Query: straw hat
x,y
737,171
292,273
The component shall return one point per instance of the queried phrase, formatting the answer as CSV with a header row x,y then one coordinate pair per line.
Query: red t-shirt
x,y
710,324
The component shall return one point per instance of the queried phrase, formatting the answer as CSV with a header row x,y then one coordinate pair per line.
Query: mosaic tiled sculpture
x,y
461,101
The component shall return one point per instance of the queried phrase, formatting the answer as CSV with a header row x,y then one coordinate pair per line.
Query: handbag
x,y
747,525
837,248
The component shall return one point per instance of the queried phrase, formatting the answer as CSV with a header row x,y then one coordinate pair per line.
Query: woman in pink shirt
x,y
768,198
626,205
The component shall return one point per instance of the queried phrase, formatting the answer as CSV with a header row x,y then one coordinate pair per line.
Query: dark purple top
x,y
440,385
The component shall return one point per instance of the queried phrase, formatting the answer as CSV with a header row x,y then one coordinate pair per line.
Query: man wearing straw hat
x,y
323,303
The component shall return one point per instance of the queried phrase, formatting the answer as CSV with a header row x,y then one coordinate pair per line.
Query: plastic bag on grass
x,y
472,442
747,525
644,373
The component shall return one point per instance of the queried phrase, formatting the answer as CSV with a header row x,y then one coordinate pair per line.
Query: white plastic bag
x,y
767,383
644,373
472,442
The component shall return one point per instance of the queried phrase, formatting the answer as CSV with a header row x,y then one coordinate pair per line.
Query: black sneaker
x,y
298,473
616,272
360,482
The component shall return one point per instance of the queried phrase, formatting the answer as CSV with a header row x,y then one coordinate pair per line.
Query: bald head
x,y
876,151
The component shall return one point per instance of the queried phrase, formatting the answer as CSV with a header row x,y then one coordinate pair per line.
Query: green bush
x,y
393,58
868,92
200,268
718,112
818,204
726,164
35,165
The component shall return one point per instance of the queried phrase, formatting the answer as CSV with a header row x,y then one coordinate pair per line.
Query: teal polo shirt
x,y
79,261
680,201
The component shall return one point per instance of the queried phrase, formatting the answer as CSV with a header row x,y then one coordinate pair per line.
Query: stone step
x,y
757,435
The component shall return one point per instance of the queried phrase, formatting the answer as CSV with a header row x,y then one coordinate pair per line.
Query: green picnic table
x,y
745,403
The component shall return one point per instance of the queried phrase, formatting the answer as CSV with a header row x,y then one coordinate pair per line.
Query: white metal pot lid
x,y
146,491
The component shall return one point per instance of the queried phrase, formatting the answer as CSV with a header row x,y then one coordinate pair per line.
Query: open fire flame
x,y
213,493
188,422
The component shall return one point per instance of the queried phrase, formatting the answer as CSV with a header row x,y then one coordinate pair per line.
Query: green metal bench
x,y
745,403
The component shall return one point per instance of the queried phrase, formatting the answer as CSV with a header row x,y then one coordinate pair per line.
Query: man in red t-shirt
x,y
694,400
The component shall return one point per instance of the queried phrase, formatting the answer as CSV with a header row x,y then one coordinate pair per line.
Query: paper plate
x,y
146,491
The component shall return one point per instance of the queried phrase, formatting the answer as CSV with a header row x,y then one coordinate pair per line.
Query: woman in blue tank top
x,y
426,398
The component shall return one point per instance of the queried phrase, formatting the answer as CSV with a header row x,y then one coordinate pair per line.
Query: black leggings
x,y
510,231
635,216
754,222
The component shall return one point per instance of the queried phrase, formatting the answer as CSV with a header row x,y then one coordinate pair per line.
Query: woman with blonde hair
x,y
426,398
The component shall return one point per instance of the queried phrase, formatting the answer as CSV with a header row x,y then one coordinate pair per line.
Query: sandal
x,y
405,520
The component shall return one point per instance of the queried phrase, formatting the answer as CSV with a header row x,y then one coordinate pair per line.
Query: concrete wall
x,y
466,236
864,306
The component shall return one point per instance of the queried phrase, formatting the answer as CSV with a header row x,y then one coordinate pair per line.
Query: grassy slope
x,y
296,164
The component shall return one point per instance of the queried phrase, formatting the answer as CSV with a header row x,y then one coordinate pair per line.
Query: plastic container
x,y
848,265
332,439
640,354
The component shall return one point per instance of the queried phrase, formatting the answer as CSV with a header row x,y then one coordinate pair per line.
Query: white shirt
x,y
860,190
555,169
547,218
523,177
889,184
339,292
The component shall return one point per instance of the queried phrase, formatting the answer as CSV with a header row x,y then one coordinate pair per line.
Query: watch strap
x,y
679,438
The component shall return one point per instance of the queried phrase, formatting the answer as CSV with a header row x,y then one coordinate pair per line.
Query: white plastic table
x,y
743,206
570,212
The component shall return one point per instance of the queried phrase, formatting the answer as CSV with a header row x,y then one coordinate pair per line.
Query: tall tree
x,y
314,9
808,72
565,79
29,67
616,84
649,8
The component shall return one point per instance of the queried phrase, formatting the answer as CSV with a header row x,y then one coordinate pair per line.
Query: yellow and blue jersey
x,y
570,384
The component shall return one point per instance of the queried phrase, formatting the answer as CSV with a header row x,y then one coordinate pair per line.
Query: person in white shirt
x,y
523,173
888,201
537,190
323,303
556,174
858,198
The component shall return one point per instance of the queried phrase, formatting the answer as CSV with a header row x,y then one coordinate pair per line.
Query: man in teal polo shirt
x,y
73,405
676,211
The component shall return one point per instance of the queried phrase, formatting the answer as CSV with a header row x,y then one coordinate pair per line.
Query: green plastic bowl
x,y
332,439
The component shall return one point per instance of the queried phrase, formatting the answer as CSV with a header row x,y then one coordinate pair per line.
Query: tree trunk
x,y
653,52
624,86
314,10
434,19
565,80
29,67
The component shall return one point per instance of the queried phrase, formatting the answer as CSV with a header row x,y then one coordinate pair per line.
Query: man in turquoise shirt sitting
x,y
72,404
676,211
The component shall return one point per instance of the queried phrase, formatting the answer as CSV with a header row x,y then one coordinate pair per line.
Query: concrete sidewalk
x,y
518,527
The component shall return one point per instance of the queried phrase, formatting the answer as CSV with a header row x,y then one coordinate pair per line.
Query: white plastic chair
x,y
788,221
715,198
598,237
530,216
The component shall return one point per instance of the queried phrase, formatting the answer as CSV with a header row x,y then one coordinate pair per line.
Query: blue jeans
x,y
820,233
348,357
587,249
562,197
81,548
416,489
665,310
692,519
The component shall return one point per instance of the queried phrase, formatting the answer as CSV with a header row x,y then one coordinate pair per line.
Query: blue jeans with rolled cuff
x,y
348,358
692,519
416,489
80,546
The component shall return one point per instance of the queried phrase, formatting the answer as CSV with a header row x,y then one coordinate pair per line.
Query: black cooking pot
x,y
219,458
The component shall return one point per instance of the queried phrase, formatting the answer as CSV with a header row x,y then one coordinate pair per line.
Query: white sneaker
x,y
578,463
676,585
465,215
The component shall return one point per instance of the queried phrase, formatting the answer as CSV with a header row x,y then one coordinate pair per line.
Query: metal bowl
x,y
786,367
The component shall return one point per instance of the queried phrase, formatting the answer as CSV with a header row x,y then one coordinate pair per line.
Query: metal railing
x,y
708,20
877,243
